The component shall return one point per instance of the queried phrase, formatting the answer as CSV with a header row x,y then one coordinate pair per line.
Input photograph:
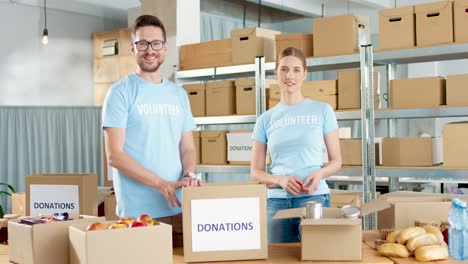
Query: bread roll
x,y
436,231
392,237
431,253
421,240
407,233
393,250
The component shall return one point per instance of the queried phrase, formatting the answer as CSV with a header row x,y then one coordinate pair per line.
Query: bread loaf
x,y
421,240
408,233
436,231
431,253
393,250
392,237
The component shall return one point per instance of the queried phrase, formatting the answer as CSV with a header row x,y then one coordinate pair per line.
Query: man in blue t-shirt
x,y
148,127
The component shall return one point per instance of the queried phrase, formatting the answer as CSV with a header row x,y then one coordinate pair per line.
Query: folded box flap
x,y
374,206
290,213
331,221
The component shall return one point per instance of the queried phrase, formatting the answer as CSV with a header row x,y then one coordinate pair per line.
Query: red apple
x,y
118,225
145,218
128,220
96,226
138,224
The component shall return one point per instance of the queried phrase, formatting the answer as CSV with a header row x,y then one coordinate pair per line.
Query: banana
x,y
431,253
408,233
393,250
421,240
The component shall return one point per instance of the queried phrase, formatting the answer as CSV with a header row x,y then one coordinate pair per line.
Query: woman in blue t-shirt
x,y
295,132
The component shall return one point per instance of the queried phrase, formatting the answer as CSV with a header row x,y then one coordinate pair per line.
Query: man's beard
x,y
146,68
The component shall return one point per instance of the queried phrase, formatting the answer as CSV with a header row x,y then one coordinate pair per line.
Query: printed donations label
x,y
225,224
47,199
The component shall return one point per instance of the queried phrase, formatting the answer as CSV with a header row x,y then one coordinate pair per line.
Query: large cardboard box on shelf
x,y
397,28
213,147
232,213
339,35
126,245
434,23
345,234
455,145
196,96
42,243
417,92
245,95
239,147
457,92
57,193
110,205
406,207
196,139
220,98
349,89
248,43
412,151
460,20
275,92
322,91
122,37
351,151
216,53
18,203
304,42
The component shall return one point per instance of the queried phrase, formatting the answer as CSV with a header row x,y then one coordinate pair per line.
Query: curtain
x,y
48,139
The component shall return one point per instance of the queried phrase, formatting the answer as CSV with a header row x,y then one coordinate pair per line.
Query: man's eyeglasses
x,y
143,45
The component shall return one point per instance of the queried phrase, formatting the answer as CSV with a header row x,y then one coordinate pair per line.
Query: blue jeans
x,y
288,230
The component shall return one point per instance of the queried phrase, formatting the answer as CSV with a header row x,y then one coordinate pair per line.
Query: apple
x,y
145,218
128,220
118,225
96,226
138,224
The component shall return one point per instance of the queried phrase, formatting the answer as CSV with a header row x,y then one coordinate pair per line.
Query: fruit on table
x,y
128,220
431,253
392,237
96,226
118,225
425,239
137,224
393,250
147,219
407,233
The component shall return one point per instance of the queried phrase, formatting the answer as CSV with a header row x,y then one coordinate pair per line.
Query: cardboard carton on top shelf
x,y
216,53
397,28
304,42
460,20
248,43
434,23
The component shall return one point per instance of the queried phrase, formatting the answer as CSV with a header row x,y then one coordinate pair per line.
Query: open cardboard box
x,y
147,244
42,243
318,234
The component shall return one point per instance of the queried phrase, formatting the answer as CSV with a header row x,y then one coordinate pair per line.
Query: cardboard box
x,y
351,151
340,198
41,243
434,23
213,147
319,88
417,92
220,98
18,203
239,147
275,92
397,28
57,193
455,144
196,96
238,211
110,205
248,43
349,89
412,151
127,245
272,103
216,53
304,42
460,20
246,94
338,35
196,139
457,90
406,207
345,234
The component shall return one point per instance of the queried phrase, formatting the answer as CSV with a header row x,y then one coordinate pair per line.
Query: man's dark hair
x,y
148,20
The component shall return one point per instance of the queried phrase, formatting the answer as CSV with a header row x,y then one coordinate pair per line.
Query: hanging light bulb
x,y
45,32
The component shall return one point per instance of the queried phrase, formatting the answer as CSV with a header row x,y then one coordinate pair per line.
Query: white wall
x,y
60,73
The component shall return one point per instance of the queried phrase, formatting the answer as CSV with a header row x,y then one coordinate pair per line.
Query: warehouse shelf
x,y
235,71
424,54
222,120
442,111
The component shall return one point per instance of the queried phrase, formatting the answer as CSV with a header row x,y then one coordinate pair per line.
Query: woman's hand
x,y
291,184
312,182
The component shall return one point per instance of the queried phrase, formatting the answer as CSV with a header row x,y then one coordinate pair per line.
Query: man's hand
x,y
291,184
190,182
312,181
168,188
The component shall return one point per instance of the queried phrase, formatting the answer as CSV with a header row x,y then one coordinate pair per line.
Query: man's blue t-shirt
x,y
295,138
154,116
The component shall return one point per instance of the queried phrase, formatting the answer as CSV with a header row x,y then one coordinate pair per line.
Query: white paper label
x,y
48,199
225,224
239,146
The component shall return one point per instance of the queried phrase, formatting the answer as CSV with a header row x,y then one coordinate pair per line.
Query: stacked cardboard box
x,y
220,98
213,147
322,91
460,20
397,28
304,42
196,96
412,151
216,53
349,89
417,92
248,43
457,92
434,23
455,145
